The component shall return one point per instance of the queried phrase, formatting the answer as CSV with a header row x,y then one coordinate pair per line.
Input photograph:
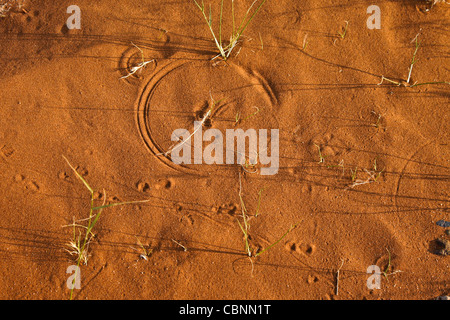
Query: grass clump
x,y
79,245
7,6
4,9
354,174
434,2
225,48
245,225
372,175
379,120
388,267
146,252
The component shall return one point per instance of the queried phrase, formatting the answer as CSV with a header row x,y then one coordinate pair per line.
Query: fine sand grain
x,y
363,171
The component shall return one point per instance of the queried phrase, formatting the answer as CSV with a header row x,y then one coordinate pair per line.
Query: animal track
x,y
32,186
98,195
63,175
143,186
327,145
7,151
226,209
307,188
28,185
200,112
302,248
189,219
184,217
82,171
298,171
169,184
312,279
113,199
166,184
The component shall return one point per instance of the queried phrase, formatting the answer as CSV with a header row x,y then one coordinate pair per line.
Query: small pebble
x,y
443,247
443,223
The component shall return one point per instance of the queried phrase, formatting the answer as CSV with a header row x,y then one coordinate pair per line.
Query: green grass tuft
x,y
225,49
79,246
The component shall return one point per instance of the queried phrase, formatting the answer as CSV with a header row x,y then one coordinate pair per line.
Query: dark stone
x,y
443,223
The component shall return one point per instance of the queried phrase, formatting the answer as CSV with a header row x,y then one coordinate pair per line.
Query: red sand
x,y
61,94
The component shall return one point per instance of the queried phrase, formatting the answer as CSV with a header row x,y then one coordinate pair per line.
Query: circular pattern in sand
x,y
131,59
182,92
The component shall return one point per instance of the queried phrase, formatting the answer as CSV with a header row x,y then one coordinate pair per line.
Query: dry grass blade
x,y
278,241
413,62
225,50
79,246
205,118
139,66
321,156
385,272
245,227
337,277
343,33
179,244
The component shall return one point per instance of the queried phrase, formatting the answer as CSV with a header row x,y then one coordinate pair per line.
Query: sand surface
x,y
63,94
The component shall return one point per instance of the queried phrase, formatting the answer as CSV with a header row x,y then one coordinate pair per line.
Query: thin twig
x,y
337,277
184,248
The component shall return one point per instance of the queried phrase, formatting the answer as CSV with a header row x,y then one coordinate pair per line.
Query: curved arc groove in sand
x,y
258,80
142,116
124,64
410,158
143,107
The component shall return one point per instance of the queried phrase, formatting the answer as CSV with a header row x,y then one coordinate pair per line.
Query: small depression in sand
x,y
179,93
